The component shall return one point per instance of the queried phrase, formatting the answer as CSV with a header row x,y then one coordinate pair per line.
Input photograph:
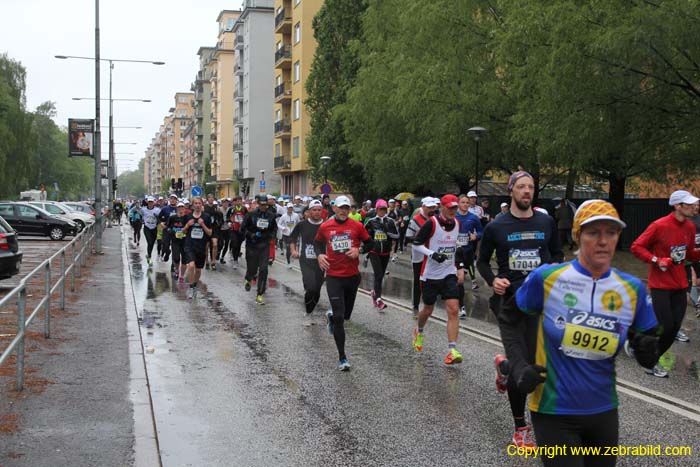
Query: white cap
x,y
315,204
504,205
369,201
297,197
342,201
160,197
215,202
281,198
271,197
392,200
542,210
186,201
472,194
290,205
150,199
180,204
681,196
172,195
429,201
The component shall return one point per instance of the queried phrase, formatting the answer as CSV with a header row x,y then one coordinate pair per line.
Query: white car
x,y
53,207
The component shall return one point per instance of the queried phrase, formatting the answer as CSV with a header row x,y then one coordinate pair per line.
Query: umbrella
x,y
404,196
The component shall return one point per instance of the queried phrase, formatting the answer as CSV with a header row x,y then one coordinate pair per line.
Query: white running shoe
x,y
681,336
657,371
462,313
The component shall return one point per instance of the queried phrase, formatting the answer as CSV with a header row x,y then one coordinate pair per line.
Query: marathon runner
x,y
523,240
437,241
404,219
311,273
235,216
666,244
212,209
165,213
225,239
470,232
175,227
136,221
259,227
198,230
425,212
285,225
584,309
382,230
337,247
150,213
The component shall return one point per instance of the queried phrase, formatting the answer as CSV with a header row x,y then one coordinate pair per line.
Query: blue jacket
x,y
468,223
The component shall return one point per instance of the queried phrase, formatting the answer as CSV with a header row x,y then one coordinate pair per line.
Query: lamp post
x,y
326,160
476,133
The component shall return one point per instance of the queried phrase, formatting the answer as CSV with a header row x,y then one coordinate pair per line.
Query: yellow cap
x,y
591,211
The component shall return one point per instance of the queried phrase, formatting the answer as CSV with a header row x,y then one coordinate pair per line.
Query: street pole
x,y
476,168
98,137
112,170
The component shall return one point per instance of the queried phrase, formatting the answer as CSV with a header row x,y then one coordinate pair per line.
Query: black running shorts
x,y
199,256
444,288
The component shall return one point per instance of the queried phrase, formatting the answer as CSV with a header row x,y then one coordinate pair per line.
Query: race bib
x,y
262,224
341,243
150,220
197,233
309,252
678,254
588,343
697,240
463,239
237,218
448,251
405,218
178,233
290,225
380,236
524,260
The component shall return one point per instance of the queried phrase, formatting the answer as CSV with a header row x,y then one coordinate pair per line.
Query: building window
x,y
295,147
182,99
278,115
297,33
297,71
296,2
278,80
296,109
278,150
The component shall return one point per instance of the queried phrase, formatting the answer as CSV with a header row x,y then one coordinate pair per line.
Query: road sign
x,y
326,188
196,190
262,186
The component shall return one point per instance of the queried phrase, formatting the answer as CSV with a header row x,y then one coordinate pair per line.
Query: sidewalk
x,y
75,409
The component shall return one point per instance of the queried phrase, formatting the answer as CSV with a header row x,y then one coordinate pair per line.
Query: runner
x,y
425,212
212,209
175,226
470,232
382,230
165,213
259,227
437,241
235,216
584,309
311,273
523,240
225,238
404,219
150,213
666,244
337,247
504,210
197,231
474,208
285,224
136,221
298,206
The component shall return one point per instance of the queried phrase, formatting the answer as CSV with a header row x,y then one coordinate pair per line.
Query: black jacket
x,y
260,226
381,231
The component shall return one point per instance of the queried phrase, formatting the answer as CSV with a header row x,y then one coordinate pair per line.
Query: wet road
x,y
234,383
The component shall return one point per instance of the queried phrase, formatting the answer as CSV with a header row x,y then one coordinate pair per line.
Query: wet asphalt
x,y
235,383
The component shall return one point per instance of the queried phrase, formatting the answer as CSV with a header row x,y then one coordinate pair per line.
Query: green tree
x,y
131,183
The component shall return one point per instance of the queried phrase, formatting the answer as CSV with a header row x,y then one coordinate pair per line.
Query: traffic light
x,y
114,184
179,184
172,184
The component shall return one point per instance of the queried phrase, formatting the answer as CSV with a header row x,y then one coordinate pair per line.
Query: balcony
x,y
283,22
239,71
198,113
283,57
238,94
212,136
283,128
237,147
237,121
238,173
238,42
283,92
282,163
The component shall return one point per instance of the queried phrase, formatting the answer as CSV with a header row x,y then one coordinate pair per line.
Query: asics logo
x,y
597,322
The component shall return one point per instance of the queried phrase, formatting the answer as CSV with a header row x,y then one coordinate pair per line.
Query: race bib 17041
x,y
524,259
341,243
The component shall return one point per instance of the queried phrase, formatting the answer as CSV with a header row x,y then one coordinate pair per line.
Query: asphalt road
x,y
234,383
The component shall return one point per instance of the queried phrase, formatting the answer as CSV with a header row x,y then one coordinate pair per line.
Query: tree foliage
x,y
130,183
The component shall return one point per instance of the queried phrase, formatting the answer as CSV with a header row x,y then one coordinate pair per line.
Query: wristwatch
x,y
654,260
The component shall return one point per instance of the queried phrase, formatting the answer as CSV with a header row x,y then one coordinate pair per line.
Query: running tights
x,y
312,277
669,307
379,264
150,235
224,242
256,257
137,231
416,284
342,292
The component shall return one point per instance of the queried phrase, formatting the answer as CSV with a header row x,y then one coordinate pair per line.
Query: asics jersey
x,y
583,325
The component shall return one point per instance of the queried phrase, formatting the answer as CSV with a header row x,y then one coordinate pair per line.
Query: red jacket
x,y
667,238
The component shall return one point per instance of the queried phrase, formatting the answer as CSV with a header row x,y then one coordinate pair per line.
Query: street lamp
x,y
476,132
326,160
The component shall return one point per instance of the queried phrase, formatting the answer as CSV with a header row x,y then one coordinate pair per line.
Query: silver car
x,y
80,218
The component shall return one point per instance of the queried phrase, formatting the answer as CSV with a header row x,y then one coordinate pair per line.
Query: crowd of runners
x,y
562,324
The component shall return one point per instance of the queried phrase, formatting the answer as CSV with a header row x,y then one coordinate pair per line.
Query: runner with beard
x,y
235,216
311,273
176,225
260,227
523,240
197,232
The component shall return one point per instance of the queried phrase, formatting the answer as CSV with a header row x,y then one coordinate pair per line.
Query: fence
x,y
80,247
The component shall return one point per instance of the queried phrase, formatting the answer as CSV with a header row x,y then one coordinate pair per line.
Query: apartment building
x,y
175,124
294,50
190,172
253,98
202,111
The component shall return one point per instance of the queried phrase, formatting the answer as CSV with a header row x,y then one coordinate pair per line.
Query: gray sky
x,y
33,31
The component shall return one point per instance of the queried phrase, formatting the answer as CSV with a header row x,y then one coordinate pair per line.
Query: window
x,y
278,80
6,210
296,2
278,150
295,147
182,99
26,211
297,33
53,209
296,109
278,115
297,71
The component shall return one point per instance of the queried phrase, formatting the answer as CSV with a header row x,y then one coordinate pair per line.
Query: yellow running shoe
x,y
453,357
259,300
417,340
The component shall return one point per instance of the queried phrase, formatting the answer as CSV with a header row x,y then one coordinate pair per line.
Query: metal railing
x,y
80,247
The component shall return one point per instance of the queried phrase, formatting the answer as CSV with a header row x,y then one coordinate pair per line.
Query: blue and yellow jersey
x,y
583,325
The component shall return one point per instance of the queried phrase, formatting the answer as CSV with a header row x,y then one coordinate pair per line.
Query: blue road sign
x,y
262,185
326,188
196,190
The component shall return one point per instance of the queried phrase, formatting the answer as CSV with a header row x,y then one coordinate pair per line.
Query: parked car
x,y
27,219
10,255
61,209
80,206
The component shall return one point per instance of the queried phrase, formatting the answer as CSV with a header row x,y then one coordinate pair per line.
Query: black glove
x,y
439,257
530,377
646,350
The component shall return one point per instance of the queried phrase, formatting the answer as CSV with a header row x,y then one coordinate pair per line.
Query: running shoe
x,y
628,349
502,370
453,357
290,266
329,319
523,438
181,279
192,293
269,262
223,261
681,336
657,371
235,264
213,266
415,312
393,259
344,365
207,265
417,340
462,313
259,300
246,284
474,285
176,276
380,304
150,261
374,299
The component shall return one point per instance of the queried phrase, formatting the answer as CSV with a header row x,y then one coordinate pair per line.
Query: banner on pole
x,y
80,137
